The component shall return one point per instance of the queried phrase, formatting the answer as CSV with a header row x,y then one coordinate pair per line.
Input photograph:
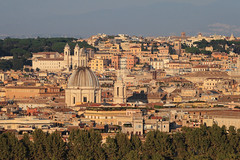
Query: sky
x,y
83,18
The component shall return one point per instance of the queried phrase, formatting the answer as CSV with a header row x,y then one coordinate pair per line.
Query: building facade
x,y
54,61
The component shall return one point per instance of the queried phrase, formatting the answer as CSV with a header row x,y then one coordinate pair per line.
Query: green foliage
x,y
133,155
206,52
204,143
6,64
56,148
171,50
11,148
85,145
28,146
136,142
202,44
158,107
193,50
118,147
40,144
218,46
158,143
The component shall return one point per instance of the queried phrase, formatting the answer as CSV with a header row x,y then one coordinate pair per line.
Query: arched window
x,y
74,100
117,91
84,99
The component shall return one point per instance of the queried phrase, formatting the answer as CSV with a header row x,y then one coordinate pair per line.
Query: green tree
x,y
85,144
202,44
118,147
55,147
180,146
135,142
11,148
111,148
39,145
6,64
133,155
28,146
158,143
124,145
193,50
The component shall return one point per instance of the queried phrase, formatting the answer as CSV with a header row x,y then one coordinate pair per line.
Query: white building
x,y
123,63
157,64
54,61
83,86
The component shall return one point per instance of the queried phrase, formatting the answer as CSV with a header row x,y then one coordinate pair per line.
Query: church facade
x,y
83,85
54,61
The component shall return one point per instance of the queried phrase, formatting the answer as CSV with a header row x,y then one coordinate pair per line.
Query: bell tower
x,y
76,56
83,59
177,47
67,56
119,90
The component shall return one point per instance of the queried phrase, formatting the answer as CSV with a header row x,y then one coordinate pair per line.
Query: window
x,y
73,100
117,91
84,99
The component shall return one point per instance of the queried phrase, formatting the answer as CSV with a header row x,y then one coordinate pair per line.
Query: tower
x,y
67,56
232,38
83,59
183,34
119,91
177,47
76,56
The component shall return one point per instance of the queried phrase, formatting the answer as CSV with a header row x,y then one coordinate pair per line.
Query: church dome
x,y
83,77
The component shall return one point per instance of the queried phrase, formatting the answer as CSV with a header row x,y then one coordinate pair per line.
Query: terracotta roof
x,y
41,53
24,87
201,66
208,74
174,79
229,98
219,53
155,117
134,47
51,59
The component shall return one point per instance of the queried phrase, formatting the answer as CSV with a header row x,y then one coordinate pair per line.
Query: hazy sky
x,y
134,17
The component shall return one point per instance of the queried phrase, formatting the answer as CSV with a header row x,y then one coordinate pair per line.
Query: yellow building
x,y
223,121
3,77
112,117
98,64
115,48
19,92
103,56
211,83
25,123
177,99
